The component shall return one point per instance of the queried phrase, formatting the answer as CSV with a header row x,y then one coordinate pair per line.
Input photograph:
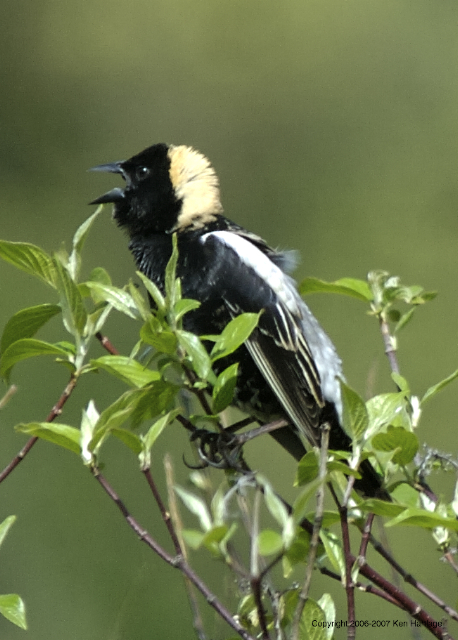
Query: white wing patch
x,y
304,333
262,266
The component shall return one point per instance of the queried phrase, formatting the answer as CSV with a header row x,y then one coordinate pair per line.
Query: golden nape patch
x,y
196,184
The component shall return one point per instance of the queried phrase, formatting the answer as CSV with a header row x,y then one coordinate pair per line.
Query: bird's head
x,y
168,188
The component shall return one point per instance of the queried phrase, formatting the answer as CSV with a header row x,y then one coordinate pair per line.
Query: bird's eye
x,y
141,173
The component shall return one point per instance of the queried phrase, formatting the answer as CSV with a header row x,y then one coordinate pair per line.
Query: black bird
x,y
288,367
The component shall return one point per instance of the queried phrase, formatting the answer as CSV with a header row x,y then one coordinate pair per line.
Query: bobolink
x,y
288,367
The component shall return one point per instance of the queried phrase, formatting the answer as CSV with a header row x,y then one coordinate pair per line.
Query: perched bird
x,y
288,367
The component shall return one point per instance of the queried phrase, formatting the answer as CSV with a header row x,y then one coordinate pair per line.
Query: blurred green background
x,y
333,127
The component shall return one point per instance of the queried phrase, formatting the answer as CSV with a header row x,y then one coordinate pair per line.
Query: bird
x,y
288,367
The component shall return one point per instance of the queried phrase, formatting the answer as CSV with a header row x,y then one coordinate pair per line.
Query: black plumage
x,y
288,367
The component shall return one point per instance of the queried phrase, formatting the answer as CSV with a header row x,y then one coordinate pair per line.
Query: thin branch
x,y
178,561
163,510
106,344
410,579
394,593
255,576
366,536
8,395
260,431
55,411
367,588
315,539
390,349
349,586
178,527
191,376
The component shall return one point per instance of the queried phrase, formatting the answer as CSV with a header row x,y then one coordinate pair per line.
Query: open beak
x,y
116,194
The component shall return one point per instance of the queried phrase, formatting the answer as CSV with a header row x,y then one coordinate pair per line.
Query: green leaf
x,y
334,550
327,605
13,608
89,419
223,391
274,504
234,335
119,411
129,439
152,435
313,622
302,500
71,301
405,443
5,526
432,391
214,537
154,334
307,469
415,517
184,306
385,409
170,274
25,323
99,274
404,319
297,552
196,506
196,352
74,261
346,286
354,414
28,348
140,303
380,507
154,292
129,371
157,397
269,542
193,538
61,434
118,298
30,259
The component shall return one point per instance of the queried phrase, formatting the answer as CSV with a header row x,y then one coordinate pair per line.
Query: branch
x,y
178,561
315,539
55,411
106,344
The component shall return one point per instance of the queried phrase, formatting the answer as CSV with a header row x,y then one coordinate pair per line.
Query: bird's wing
x,y
287,340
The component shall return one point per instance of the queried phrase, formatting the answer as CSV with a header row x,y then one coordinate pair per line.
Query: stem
x,y
315,539
178,561
255,576
106,344
178,527
388,341
55,411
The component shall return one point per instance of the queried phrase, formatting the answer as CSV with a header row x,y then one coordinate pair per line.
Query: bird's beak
x,y
116,194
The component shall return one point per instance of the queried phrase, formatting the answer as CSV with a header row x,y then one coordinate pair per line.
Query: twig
x,y
55,411
8,395
177,527
164,513
315,539
198,392
106,344
259,431
388,341
349,586
366,536
410,579
255,574
367,588
178,561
